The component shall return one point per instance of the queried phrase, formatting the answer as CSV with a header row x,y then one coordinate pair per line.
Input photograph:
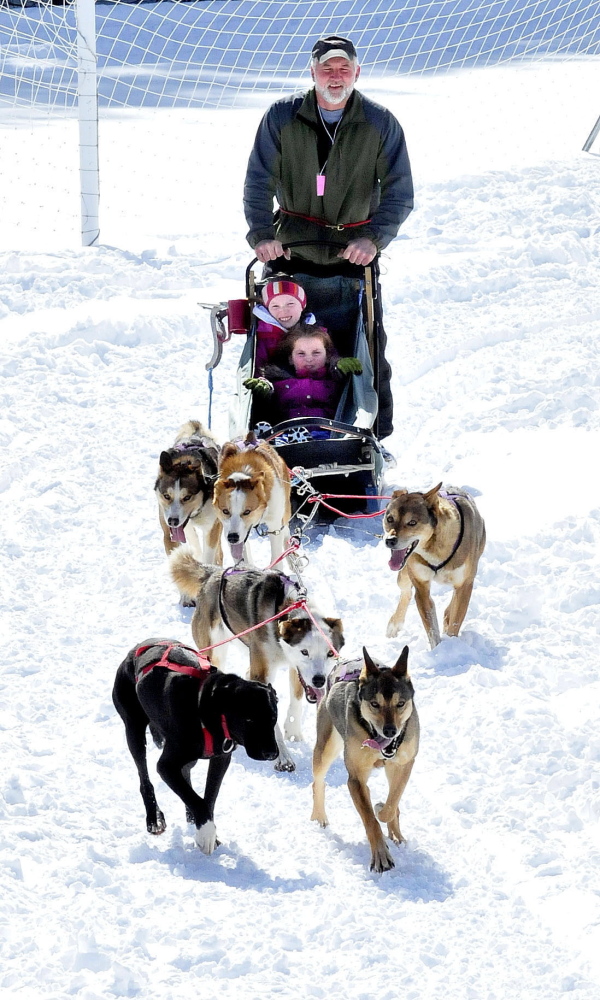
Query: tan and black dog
x,y
184,490
253,487
370,714
230,601
438,535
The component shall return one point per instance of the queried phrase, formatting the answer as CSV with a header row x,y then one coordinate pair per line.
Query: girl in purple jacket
x,y
307,377
283,307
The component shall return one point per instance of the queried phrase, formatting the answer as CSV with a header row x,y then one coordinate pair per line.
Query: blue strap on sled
x,y
210,396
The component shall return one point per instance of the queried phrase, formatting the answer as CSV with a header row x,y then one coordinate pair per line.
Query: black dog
x,y
193,711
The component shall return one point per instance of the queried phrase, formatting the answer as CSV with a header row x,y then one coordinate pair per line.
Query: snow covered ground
x,y
492,299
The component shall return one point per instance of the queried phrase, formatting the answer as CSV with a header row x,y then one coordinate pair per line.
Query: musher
x,y
337,165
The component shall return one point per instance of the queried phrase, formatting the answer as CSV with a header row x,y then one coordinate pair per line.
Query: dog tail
x,y
189,575
194,429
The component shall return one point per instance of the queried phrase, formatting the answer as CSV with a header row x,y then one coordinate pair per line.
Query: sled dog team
x,y
208,496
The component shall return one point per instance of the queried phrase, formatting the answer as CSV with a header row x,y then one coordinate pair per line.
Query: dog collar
x,y
386,747
312,695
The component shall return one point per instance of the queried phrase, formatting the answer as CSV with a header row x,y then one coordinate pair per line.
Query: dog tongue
x,y
237,551
316,694
378,743
397,559
177,534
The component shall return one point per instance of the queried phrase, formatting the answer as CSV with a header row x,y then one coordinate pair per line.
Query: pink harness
x,y
201,672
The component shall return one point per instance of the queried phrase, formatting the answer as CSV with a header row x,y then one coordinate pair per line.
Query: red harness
x,y
201,673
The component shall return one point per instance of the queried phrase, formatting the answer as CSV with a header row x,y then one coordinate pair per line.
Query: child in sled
x,y
306,376
283,306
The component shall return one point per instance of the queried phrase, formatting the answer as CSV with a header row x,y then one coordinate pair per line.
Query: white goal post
x,y
99,60
87,92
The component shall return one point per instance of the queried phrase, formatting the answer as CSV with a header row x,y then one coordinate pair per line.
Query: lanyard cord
x,y
331,137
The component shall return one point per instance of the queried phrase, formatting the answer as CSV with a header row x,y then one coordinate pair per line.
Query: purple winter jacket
x,y
314,395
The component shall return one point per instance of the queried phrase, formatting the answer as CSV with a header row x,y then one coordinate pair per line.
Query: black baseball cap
x,y
331,47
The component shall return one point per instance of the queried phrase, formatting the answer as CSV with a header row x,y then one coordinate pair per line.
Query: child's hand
x,y
349,366
261,386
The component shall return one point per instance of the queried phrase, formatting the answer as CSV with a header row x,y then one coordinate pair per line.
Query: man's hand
x,y
270,250
261,386
361,251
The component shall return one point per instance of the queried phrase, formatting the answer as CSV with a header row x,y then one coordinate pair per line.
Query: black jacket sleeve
x,y
395,195
262,176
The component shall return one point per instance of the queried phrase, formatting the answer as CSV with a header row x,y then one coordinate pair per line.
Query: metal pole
x,y
588,142
88,121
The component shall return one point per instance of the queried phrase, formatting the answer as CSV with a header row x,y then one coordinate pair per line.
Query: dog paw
x,y
206,837
320,819
158,825
395,835
381,859
392,629
284,764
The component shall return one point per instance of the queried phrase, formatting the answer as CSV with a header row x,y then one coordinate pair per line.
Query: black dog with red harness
x,y
193,712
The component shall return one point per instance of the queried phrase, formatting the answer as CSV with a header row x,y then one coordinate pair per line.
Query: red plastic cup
x,y
238,315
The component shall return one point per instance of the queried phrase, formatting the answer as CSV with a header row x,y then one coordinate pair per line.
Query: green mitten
x,y
349,366
261,386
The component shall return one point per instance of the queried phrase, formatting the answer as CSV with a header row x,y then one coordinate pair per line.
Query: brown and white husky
x,y
252,488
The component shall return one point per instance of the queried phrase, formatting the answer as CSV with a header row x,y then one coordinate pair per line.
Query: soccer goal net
x,y
157,69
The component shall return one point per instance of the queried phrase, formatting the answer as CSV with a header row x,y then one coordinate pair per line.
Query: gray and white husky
x,y
230,601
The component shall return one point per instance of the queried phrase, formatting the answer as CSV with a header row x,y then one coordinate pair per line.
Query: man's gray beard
x,y
344,94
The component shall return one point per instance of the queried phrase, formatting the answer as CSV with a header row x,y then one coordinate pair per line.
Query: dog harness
x,y
453,498
312,695
194,445
387,747
201,672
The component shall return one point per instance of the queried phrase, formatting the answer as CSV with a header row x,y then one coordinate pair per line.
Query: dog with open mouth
x,y
252,488
228,602
184,489
370,714
438,535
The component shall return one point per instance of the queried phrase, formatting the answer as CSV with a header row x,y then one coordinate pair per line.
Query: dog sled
x,y
339,458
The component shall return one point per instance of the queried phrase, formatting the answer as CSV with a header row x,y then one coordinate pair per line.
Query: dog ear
x,y
399,493
229,449
430,496
292,630
251,438
165,462
369,669
336,625
400,668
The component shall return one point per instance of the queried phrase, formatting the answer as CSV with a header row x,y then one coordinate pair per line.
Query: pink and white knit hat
x,y
273,288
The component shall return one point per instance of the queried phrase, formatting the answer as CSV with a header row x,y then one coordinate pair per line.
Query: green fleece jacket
x,y
367,176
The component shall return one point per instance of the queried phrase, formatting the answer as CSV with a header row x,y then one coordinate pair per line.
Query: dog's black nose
x,y
318,680
173,522
389,732
391,543
233,537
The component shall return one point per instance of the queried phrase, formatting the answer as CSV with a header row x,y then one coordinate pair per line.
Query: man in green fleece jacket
x,y
337,165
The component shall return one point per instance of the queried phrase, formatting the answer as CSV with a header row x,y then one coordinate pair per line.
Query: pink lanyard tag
x,y
320,185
